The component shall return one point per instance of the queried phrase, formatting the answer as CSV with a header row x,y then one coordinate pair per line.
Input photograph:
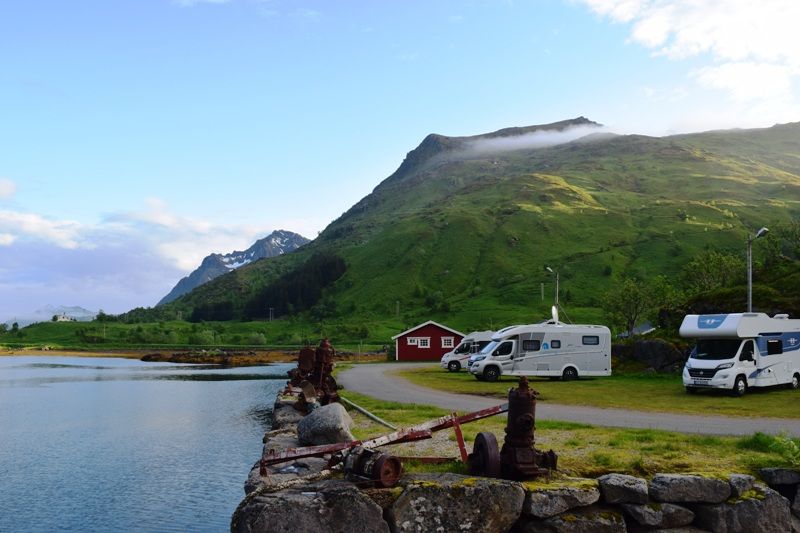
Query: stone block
x,y
659,515
762,510
678,488
550,499
621,488
330,506
451,502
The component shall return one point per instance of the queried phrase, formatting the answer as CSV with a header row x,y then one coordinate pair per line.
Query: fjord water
x,y
106,444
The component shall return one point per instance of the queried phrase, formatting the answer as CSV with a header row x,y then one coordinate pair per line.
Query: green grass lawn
x,y
591,451
642,392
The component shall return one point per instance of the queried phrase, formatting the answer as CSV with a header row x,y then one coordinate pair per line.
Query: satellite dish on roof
x,y
554,310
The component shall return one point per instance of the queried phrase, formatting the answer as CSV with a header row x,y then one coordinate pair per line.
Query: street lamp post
x,y
750,238
556,273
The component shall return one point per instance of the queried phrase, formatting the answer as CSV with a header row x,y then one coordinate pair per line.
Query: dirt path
x,y
372,380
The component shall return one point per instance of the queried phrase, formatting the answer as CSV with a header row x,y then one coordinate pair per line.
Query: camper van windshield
x,y
489,348
716,349
464,347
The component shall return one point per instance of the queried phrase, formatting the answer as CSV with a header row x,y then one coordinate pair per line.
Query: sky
x,y
138,136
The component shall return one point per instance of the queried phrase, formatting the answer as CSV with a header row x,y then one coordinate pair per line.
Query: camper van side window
x,y
774,346
591,340
531,346
555,344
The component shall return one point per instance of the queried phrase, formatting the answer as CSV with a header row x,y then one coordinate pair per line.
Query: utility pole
x,y
750,238
271,313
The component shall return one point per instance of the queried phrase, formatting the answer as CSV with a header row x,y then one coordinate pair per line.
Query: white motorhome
x,y
740,350
456,359
550,348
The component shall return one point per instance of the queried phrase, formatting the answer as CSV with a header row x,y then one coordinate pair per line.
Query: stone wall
x,y
291,499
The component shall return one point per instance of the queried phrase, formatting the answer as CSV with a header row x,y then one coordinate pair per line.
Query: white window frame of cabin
x,y
447,342
412,341
423,342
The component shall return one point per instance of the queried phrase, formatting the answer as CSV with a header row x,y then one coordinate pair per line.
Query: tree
x,y
632,301
3,327
712,270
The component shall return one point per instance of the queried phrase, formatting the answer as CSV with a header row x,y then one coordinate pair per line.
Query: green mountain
x,y
464,228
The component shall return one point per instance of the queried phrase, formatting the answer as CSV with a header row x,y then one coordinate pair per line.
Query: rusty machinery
x,y
312,380
382,470
363,465
518,459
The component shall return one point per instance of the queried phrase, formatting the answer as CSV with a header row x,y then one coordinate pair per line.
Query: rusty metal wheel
x,y
388,471
485,457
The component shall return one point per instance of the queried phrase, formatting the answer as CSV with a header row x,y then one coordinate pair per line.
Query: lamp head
x,y
762,232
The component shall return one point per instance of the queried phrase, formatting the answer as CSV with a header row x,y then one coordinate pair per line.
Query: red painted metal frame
x,y
418,432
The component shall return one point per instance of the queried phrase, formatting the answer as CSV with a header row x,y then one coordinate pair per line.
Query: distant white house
x,y
64,318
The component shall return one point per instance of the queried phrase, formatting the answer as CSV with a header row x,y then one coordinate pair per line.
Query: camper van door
x,y
531,358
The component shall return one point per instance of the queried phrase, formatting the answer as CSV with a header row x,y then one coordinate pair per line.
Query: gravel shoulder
x,y
372,380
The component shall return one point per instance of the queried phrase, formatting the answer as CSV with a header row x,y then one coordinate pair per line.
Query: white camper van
x,y
741,350
549,348
456,359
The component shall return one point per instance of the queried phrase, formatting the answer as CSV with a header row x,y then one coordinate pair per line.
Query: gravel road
x,y
370,379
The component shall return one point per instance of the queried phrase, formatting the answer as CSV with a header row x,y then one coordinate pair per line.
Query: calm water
x,y
103,444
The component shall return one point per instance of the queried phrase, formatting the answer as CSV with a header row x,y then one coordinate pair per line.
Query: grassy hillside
x,y
462,235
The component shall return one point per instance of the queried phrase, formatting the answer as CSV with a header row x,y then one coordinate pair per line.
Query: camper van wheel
x,y
569,374
453,366
795,383
491,373
739,386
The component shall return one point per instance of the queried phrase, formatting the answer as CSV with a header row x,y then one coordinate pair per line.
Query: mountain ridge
x,y
465,240
278,242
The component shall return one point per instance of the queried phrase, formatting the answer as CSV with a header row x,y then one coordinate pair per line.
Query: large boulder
x,y
762,510
330,506
592,519
677,488
621,488
659,515
550,499
328,424
451,502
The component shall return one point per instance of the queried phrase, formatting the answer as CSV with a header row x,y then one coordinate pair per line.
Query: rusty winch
x,y
518,459
371,466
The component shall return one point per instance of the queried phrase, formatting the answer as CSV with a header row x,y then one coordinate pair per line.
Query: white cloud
x,y
62,233
183,241
753,47
124,261
7,188
749,81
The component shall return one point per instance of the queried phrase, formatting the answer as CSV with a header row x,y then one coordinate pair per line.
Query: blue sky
x,y
138,136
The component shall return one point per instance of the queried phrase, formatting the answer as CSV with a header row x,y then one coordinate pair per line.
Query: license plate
x,y
700,382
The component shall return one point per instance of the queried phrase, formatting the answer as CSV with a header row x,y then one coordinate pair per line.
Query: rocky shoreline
x,y
304,495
